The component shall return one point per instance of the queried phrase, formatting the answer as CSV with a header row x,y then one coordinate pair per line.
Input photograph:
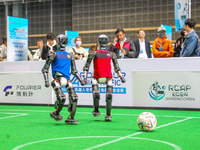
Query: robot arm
x,y
116,68
87,65
45,70
74,71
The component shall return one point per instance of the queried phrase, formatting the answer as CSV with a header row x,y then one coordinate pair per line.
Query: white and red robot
x,y
102,74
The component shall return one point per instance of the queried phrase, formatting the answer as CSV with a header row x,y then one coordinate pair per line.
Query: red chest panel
x,y
102,64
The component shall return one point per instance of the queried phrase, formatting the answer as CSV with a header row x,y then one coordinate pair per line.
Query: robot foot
x,y
108,118
96,114
56,117
71,121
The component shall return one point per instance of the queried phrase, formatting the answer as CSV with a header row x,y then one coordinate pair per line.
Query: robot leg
x,y
109,91
60,100
73,98
96,97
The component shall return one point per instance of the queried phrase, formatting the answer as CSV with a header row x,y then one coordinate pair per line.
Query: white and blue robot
x,y
61,62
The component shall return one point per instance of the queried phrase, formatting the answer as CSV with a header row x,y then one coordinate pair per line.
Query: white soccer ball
x,y
146,121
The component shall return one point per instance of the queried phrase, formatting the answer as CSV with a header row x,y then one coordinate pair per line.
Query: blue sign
x,y
71,37
17,38
182,12
169,32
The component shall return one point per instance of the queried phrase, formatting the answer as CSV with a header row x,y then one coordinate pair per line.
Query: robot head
x,y
161,31
62,40
103,41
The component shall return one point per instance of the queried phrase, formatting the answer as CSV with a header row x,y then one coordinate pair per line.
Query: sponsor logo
x,y
21,90
117,85
7,90
174,92
178,5
156,92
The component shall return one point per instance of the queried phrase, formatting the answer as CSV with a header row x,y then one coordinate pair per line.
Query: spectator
x,y
191,45
162,47
142,46
122,46
92,48
3,49
51,45
79,52
38,53
179,43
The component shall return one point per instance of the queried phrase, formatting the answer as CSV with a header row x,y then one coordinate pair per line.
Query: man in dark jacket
x,y
142,46
179,43
122,46
51,45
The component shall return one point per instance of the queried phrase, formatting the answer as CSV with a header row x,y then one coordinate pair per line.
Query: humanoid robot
x,y
102,75
61,62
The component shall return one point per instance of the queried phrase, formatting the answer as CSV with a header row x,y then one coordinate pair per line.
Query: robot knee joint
x,y
108,96
63,99
74,98
55,84
96,95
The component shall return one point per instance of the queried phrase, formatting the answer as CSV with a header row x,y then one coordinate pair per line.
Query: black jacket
x,y
147,46
46,48
178,46
128,46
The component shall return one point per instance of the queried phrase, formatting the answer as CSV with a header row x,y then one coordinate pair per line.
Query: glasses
x,y
142,33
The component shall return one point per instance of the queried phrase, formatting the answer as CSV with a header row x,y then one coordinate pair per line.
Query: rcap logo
x,y
7,92
156,92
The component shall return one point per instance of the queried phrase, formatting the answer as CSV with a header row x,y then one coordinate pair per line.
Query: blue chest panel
x,y
61,64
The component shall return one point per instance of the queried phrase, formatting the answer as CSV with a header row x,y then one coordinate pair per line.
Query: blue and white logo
x,y
6,90
178,5
156,92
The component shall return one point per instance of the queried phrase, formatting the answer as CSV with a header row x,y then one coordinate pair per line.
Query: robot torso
x,y
102,64
61,64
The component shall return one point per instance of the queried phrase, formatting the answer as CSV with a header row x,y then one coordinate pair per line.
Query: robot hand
x,y
83,82
44,70
47,84
123,79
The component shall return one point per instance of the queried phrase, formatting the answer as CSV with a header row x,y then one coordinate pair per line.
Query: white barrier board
x,y
24,88
172,73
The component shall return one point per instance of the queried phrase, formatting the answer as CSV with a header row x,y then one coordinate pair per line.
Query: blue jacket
x,y
191,46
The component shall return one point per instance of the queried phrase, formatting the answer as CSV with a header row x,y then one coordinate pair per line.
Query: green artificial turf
x,y
31,128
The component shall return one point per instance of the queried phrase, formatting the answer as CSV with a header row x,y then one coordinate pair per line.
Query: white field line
x,y
15,115
128,136
84,137
101,113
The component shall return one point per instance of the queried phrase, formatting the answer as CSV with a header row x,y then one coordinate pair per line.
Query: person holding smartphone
x,y
122,46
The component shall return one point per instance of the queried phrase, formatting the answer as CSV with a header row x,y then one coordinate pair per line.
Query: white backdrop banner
x,y
24,88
